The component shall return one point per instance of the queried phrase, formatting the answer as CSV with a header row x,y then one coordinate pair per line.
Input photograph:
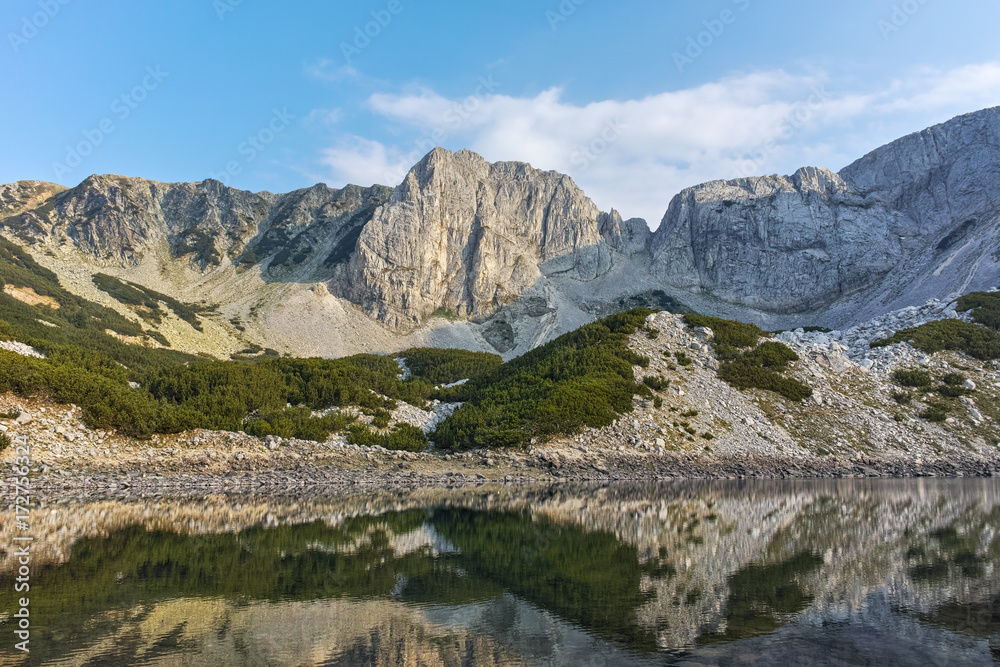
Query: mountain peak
x,y
972,137
466,236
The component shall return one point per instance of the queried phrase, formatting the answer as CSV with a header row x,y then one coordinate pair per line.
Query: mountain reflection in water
x,y
854,572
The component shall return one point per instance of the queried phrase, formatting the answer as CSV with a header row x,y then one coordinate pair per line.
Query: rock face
x,y
942,176
944,183
117,220
320,225
626,236
465,236
15,198
775,243
915,219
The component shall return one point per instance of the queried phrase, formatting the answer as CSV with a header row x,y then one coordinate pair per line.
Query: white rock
x,y
20,348
704,333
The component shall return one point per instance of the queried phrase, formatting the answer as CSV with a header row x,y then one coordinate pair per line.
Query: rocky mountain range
x,y
913,220
465,253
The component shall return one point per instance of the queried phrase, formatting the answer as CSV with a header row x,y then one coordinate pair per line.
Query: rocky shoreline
x,y
474,470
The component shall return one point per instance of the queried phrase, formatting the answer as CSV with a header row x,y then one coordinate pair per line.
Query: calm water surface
x,y
797,573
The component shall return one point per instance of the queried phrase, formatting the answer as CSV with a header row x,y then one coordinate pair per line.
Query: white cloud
x,y
419,106
976,85
365,162
634,155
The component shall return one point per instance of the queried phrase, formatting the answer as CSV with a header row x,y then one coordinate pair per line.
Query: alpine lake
x,y
838,572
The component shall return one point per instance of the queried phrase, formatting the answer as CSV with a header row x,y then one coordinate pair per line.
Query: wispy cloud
x,y
325,69
364,162
324,116
973,85
634,155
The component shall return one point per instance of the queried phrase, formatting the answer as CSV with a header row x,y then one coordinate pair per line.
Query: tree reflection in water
x,y
702,572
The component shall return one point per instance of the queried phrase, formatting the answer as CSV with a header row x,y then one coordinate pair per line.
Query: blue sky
x,y
635,100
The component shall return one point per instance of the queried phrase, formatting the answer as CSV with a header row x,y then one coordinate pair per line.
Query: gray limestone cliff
x,y
915,219
464,236
775,243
